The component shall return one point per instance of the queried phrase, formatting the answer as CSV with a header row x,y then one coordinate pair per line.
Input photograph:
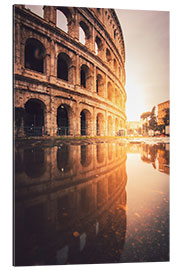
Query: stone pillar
x,y
77,121
51,118
52,64
77,75
74,26
17,48
92,44
47,62
72,74
94,80
50,14
113,126
106,124
105,88
94,122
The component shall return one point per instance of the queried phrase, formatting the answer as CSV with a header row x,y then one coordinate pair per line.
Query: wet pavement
x,y
91,203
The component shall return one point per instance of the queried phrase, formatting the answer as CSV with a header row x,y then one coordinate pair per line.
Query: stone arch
x,y
108,55
100,124
85,122
61,20
110,125
84,33
64,18
115,65
34,118
64,120
34,55
63,66
85,77
100,85
110,93
98,45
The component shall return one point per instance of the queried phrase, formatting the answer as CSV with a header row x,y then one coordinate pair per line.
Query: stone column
x,y
94,122
94,81
77,80
92,45
52,118
17,48
105,88
50,14
106,124
113,126
53,72
77,121
74,26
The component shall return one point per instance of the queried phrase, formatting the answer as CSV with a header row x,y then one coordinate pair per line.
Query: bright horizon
x,y
146,37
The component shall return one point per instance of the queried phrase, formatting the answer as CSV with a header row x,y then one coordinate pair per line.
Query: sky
x,y
146,37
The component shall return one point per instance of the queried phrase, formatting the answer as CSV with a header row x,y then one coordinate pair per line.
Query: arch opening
x,y
84,33
85,77
98,45
99,124
62,120
61,21
108,55
85,122
63,64
100,85
110,126
34,118
110,92
34,55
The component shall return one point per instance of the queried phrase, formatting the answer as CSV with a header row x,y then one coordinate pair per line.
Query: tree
x,y
153,120
145,117
166,117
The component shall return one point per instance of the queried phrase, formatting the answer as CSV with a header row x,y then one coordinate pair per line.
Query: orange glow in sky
x,y
146,37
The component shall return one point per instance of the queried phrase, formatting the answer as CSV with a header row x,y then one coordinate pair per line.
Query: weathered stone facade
x,y
161,111
65,87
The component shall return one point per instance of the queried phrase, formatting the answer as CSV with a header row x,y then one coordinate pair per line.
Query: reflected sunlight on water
x,y
91,203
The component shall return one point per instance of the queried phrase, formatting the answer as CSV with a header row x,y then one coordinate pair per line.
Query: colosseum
x,y
69,72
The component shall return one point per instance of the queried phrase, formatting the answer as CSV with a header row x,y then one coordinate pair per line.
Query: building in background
x,y
163,112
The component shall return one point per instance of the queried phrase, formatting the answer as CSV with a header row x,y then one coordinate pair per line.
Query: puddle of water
x,y
96,203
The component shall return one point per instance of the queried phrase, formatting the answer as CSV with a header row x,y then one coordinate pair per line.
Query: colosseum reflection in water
x,y
69,72
65,189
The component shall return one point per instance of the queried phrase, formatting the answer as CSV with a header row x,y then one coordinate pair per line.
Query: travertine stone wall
x,y
102,59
